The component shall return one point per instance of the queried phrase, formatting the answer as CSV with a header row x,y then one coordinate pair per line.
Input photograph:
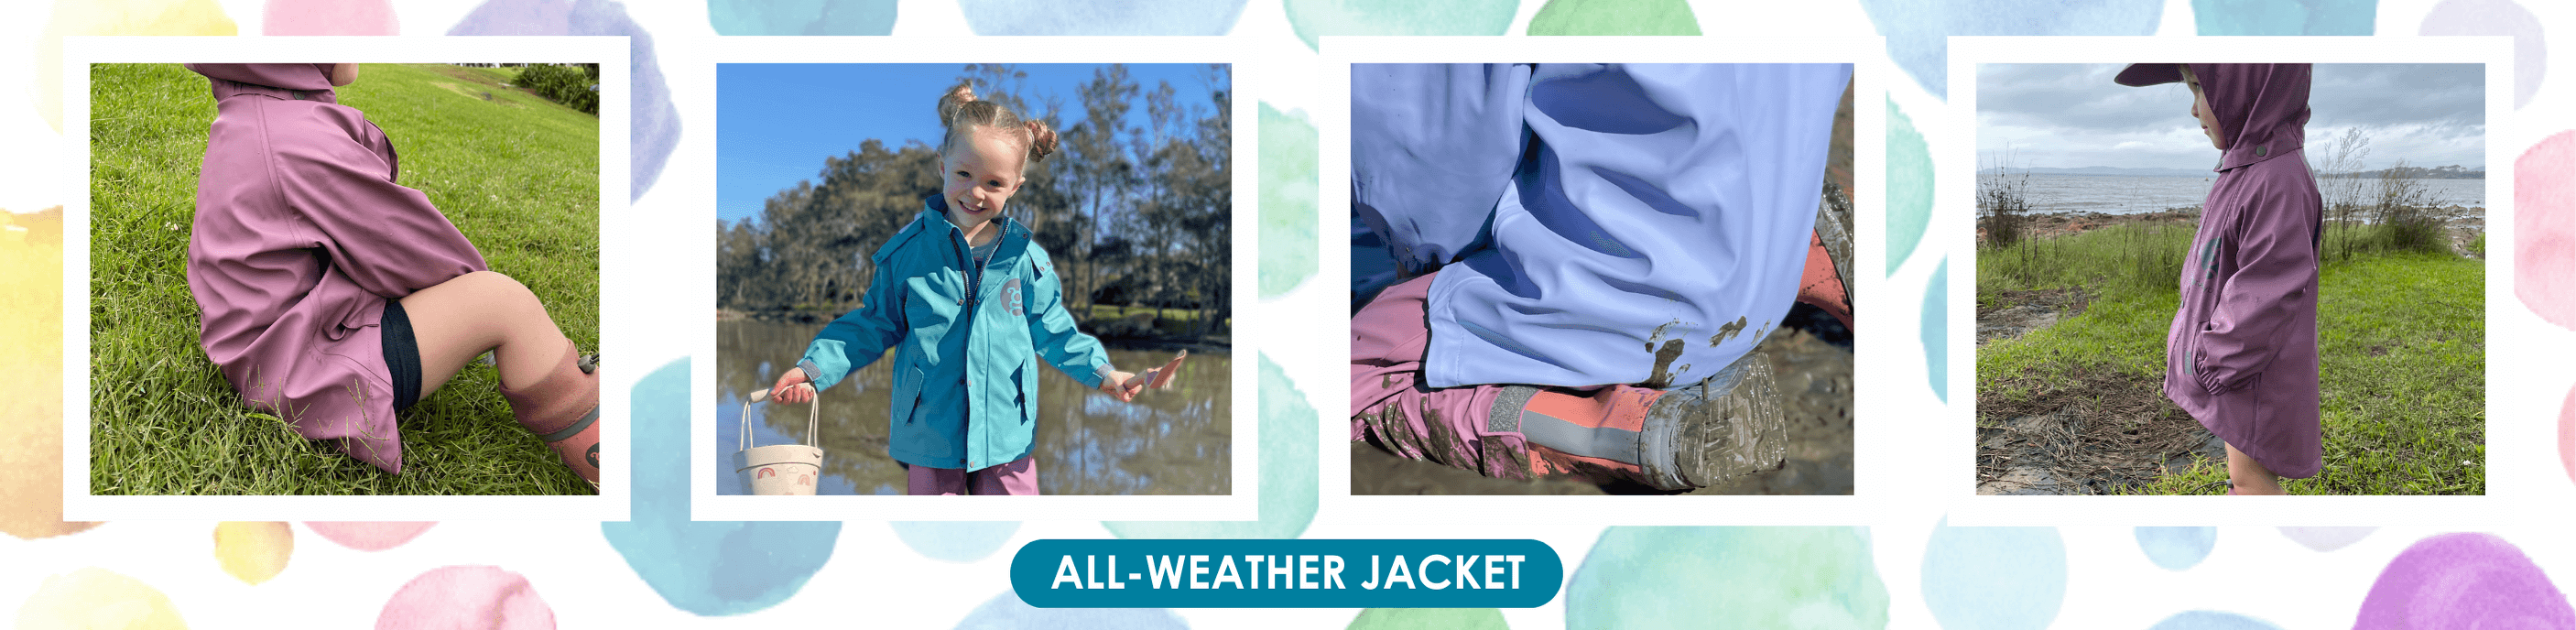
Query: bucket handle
x,y
813,417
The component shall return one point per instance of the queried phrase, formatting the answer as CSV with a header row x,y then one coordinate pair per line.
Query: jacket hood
x,y
291,76
2262,108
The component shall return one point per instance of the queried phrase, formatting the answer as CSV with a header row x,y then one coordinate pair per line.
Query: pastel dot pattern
x,y
1909,186
959,541
654,124
2567,434
2470,580
708,568
1918,32
1936,330
1007,612
2212,620
97,599
2177,548
1994,578
2284,17
2544,228
1316,18
1289,426
2498,17
1817,578
1429,619
369,536
1288,236
329,17
466,598
801,17
1614,17
1132,17
2326,538
252,551
114,17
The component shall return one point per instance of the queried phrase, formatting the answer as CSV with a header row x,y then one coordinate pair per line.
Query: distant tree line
x,y
1133,215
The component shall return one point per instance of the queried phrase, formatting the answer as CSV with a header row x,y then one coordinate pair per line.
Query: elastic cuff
x,y
807,365
1104,370
2209,381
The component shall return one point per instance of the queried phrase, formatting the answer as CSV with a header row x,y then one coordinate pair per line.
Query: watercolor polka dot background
x,y
662,569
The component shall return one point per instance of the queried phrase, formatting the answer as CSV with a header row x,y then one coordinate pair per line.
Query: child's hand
x,y
1122,385
792,388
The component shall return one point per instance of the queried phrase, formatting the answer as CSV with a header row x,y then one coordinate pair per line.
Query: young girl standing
x,y
2241,356
970,306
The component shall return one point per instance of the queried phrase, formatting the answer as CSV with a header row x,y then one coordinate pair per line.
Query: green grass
x,y
517,174
2401,335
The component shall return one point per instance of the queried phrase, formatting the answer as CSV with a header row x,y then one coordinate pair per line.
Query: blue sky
x,y
775,123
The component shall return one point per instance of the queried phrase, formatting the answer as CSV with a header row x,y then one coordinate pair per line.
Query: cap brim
x,y
2146,74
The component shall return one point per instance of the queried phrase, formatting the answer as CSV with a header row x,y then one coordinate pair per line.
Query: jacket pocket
x,y
907,393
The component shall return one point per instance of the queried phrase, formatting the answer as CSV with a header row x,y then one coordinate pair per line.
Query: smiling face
x,y
980,176
2200,110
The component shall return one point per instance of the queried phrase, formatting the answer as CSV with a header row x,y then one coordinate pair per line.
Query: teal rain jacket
x,y
965,371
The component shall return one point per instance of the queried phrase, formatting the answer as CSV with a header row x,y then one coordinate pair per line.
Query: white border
x,y
2518,467
1249,324
1332,122
611,53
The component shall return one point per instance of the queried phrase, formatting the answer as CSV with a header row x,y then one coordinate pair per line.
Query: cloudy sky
x,y
2072,115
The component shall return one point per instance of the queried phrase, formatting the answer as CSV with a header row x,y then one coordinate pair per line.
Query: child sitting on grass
x,y
334,297
2241,355
970,306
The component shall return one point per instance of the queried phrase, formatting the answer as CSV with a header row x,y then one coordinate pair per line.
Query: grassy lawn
x,y
518,174
2402,336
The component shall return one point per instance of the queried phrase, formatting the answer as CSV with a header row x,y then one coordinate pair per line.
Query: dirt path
x,y
1815,382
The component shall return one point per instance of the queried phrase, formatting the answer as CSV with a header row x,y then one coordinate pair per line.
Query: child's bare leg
x,y
549,393
2249,476
460,319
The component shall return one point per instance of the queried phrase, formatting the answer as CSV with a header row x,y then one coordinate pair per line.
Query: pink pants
x,y
1018,477
1389,400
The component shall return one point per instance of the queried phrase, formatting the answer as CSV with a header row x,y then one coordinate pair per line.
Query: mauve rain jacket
x,y
1594,224
300,236
2241,356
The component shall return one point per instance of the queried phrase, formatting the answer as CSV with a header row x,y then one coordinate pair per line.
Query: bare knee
x,y
499,293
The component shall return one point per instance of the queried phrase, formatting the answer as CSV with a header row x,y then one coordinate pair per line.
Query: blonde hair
x,y
962,114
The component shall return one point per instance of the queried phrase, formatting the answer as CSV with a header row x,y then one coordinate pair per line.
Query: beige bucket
x,y
781,469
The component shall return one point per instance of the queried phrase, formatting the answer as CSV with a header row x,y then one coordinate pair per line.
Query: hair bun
x,y
1041,140
954,100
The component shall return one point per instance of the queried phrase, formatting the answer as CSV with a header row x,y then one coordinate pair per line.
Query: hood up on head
x,y
289,76
2262,108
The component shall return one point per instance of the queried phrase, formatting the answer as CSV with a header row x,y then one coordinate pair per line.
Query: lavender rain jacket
x,y
2241,356
1599,224
301,235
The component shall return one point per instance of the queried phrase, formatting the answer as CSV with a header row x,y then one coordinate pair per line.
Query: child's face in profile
x,y
980,176
2200,110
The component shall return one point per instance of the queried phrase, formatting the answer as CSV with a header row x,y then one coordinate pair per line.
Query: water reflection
x,y
1173,441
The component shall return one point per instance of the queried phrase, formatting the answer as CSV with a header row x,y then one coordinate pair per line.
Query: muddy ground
x,y
2095,433
1814,377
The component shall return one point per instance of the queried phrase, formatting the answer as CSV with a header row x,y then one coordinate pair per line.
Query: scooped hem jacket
x,y
965,373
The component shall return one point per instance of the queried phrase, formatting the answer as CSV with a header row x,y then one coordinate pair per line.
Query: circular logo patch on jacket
x,y
1011,297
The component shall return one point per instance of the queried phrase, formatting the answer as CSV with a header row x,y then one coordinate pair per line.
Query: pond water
x,y
1170,441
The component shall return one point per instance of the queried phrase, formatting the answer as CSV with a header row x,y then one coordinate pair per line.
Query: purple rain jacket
x,y
300,236
1594,224
2241,356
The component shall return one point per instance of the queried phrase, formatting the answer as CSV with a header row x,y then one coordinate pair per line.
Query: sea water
x,y
2118,194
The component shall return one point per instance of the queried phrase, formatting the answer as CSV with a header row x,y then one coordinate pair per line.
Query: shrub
x,y
575,86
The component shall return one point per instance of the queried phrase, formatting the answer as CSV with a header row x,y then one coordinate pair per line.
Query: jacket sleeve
x,y
2274,281
386,237
1051,327
858,337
